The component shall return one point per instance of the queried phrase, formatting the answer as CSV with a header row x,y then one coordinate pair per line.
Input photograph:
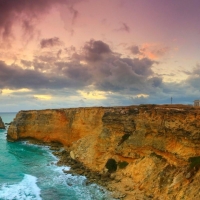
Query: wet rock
x,y
54,148
56,153
68,171
80,171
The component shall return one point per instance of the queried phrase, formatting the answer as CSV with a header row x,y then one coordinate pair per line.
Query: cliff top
x,y
148,106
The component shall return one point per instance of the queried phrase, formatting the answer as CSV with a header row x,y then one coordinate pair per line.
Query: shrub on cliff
x,y
111,165
124,138
122,164
194,162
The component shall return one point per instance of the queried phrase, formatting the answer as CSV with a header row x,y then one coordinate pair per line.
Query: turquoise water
x,y
29,172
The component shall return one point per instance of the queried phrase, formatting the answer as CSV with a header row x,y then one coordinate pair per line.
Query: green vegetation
x,y
147,105
111,165
143,105
122,164
194,162
124,137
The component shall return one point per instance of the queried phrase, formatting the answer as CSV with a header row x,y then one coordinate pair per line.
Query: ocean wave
x,y
27,189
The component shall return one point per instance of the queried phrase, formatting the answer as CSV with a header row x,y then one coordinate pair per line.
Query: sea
x,y
29,172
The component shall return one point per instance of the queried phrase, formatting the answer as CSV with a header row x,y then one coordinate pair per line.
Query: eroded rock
x,y
2,126
149,145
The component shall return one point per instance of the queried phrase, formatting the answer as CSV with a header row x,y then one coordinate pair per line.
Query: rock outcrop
x,y
151,151
2,126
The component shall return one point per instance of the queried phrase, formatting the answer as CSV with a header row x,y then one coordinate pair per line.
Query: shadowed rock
x,y
2,126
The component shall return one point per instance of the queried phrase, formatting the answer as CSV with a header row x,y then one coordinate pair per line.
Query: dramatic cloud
x,y
133,57
14,77
155,81
94,72
95,50
50,42
11,11
95,65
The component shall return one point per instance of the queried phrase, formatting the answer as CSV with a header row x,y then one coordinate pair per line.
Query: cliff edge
x,y
152,152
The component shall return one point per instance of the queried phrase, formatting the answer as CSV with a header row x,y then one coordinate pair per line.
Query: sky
x,y
78,53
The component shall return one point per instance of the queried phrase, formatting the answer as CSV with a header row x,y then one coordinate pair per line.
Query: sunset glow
x,y
130,52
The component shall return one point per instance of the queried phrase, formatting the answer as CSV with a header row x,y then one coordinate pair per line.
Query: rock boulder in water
x,y
2,126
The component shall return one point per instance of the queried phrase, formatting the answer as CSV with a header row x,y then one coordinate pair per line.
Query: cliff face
x,y
63,125
152,151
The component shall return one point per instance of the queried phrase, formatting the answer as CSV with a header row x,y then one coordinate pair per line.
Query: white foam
x,y
78,184
27,143
27,189
44,147
61,168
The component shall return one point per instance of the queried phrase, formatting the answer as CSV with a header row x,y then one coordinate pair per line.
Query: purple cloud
x,y
95,65
94,50
124,27
135,50
12,11
50,42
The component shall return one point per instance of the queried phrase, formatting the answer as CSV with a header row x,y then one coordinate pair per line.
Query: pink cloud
x,y
14,10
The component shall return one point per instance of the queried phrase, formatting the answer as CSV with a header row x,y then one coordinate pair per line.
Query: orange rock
x,y
154,142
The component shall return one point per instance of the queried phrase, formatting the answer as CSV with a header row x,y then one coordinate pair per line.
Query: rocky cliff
x,y
152,152
2,126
